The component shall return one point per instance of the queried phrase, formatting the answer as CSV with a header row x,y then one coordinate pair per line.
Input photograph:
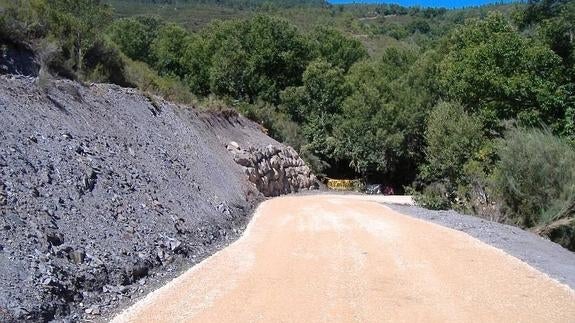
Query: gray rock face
x,y
274,169
103,194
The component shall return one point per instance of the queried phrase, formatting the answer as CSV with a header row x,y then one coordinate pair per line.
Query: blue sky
x,y
425,3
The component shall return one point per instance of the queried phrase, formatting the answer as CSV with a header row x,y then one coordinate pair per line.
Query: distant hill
x,y
237,3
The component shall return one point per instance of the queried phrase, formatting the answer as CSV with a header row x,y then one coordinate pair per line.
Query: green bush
x,y
382,120
168,49
434,196
135,36
453,138
146,79
534,177
331,45
104,63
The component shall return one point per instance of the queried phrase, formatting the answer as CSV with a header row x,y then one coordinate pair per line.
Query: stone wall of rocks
x,y
274,170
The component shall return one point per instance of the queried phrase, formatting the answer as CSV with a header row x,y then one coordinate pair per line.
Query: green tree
x,y
168,49
495,71
247,59
453,138
334,47
383,119
76,23
316,105
135,36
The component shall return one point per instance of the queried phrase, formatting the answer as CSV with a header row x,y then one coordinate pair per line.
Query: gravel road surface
x,y
542,254
332,258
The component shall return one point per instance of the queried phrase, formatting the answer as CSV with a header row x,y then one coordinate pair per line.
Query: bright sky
x,y
425,3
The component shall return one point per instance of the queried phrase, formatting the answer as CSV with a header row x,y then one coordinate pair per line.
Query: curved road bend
x,y
339,259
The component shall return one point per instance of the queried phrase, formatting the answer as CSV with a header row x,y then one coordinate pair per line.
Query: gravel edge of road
x,y
542,254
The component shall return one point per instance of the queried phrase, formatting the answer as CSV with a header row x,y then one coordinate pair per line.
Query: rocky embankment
x,y
104,191
274,170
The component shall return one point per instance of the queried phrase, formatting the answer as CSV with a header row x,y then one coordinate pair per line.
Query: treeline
x,y
481,119
237,4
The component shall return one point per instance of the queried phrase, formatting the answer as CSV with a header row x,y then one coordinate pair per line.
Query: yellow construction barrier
x,y
343,184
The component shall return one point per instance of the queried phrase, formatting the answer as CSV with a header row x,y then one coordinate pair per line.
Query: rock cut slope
x,y
103,187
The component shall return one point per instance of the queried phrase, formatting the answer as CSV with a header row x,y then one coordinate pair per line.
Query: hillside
x,y
104,190
377,26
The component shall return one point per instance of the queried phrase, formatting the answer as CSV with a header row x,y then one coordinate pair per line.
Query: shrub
x,y
534,177
146,79
434,196
334,47
104,63
134,36
168,49
453,138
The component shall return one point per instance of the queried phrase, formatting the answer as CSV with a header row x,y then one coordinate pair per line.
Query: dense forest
x,y
471,109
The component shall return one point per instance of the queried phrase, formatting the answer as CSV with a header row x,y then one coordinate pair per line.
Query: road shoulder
x,y
542,254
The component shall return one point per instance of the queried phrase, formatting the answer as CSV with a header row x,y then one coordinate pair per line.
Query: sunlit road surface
x,y
344,259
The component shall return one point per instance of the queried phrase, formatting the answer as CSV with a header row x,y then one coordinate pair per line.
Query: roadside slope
x,y
333,258
103,188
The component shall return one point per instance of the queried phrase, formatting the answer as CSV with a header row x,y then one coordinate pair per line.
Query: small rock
x,y
94,310
55,238
243,159
174,244
233,146
3,197
77,256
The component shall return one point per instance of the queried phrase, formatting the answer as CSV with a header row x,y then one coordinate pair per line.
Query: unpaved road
x,y
332,258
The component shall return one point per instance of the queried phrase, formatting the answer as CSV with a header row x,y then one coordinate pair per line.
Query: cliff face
x,y
104,190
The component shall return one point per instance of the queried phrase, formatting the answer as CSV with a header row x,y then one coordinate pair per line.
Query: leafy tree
x,y
248,59
71,29
316,105
77,24
383,119
539,10
334,47
453,138
498,73
419,25
135,36
168,49
559,33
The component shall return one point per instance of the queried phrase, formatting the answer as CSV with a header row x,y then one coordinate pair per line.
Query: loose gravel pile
x,y
104,190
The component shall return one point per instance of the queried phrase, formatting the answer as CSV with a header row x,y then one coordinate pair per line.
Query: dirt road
x,y
340,259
